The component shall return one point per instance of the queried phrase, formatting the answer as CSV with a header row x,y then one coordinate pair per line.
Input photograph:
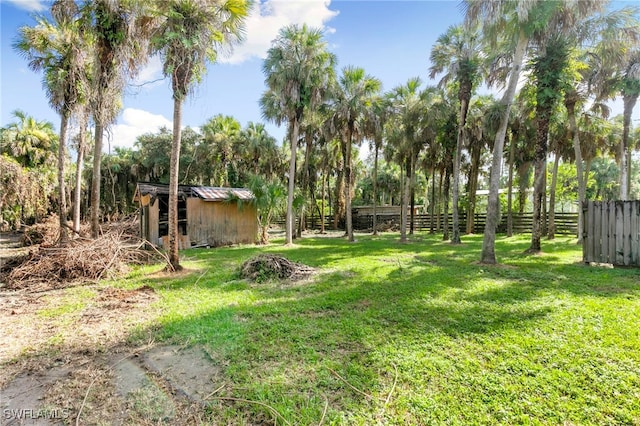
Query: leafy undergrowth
x,y
418,333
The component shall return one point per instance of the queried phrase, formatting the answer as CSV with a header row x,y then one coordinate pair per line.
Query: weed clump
x,y
266,267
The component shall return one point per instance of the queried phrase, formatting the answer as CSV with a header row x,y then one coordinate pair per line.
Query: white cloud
x,y
135,122
269,16
150,75
30,5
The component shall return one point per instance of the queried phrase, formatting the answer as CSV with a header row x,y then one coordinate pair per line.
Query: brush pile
x,y
49,266
269,266
45,233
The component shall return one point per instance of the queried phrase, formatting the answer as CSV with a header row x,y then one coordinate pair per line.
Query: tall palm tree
x,y
81,148
354,94
192,32
553,46
458,52
590,70
59,49
483,118
503,22
406,133
548,70
298,69
628,82
120,30
377,115
518,24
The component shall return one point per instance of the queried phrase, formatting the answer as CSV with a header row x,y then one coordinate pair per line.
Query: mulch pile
x,y
270,266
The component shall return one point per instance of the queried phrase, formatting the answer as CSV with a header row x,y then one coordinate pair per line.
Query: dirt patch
x,y
149,385
64,354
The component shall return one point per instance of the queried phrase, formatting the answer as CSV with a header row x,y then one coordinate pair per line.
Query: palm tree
x,y
260,150
590,71
59,49
29,141
220,135
547,71
120,30
354,93
81,149
483,118
377,115
298,69
519,23
459,52
192,32
628,81
509,20
406,133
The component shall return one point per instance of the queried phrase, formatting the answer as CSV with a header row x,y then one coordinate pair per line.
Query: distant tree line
x,y
434,145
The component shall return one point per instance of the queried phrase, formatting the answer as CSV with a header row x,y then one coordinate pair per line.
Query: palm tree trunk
x,y
338,212
292,177
539,174
77,196
347,187
95,180
375,189
473,187
405,201
174,168
510,189
552,199
493,207
629,101
439,217
62,208
412,187
571,112
322,200
433,201
464,102
445,194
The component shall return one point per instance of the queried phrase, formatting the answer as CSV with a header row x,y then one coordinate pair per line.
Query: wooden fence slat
x,y
626,234
597,232
585,234
635,231
591,231
611,211
619,229
604,233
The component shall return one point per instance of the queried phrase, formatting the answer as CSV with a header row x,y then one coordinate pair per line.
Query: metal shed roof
x,y
209,193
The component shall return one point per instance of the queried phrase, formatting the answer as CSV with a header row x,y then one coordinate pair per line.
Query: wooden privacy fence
x,y
612,232
566,223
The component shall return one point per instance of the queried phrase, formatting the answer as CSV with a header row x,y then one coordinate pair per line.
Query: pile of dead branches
x,y
82,259
270,266
46,232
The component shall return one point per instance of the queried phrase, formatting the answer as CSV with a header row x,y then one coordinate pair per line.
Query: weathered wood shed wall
x,y
217,223
206,215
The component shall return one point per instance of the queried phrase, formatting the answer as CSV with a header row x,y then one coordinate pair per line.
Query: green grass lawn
x,y
411,334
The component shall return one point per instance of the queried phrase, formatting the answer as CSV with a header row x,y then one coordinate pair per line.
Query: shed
x,y
206,215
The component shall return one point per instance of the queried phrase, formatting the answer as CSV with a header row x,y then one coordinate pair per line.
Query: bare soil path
x,y
67,357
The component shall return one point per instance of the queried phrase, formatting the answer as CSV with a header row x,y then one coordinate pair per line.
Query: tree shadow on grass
x,y
322,340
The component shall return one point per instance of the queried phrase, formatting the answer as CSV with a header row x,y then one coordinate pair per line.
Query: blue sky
x,y
391,40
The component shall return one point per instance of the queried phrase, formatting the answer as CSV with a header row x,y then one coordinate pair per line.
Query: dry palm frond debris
x,y
270,266
81,259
